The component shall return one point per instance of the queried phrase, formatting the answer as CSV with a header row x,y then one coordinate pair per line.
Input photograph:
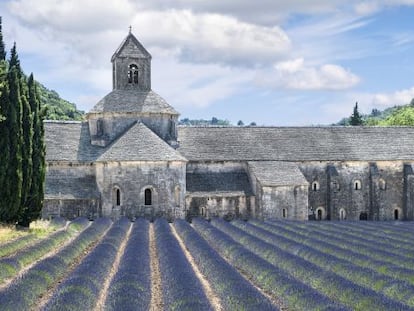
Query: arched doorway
x,y
320,213
363,216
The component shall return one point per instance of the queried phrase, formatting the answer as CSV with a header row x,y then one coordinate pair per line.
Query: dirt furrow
x,y
104,291
156,285
212,297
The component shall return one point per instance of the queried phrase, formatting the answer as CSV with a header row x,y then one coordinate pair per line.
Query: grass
x,y
39,228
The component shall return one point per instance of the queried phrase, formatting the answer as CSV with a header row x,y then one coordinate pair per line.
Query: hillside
x,y
56,107
393,116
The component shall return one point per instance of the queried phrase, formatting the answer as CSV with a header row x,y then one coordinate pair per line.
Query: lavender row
x,y
329,284
130,287
350,244
390,287
182,290
10,266
381,240
235,292
293,293
351,256
81,289
23,293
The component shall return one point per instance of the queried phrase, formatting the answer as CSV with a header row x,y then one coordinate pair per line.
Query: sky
x,y
273,62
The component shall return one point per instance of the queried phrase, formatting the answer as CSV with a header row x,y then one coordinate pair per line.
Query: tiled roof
x,y
296,143
64,187
274,173
133,101
139,143
130,39
232,182
70,141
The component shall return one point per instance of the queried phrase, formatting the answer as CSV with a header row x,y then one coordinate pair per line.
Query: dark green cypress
x,y
27,132
35,200
2,46
4,140
14,123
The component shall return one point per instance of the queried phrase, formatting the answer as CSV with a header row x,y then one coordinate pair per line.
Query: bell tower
x,y
131,66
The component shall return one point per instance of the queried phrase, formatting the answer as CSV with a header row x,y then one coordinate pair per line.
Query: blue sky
x,y
275,62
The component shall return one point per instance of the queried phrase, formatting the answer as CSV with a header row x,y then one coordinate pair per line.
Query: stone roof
x,y
222,183
133,101
139,143
274,173
65,187
70,141
296,143
131,45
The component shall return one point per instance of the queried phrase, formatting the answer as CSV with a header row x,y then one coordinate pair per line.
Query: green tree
x,y
2,46
34,203
240,123
11,199
356,118
401,116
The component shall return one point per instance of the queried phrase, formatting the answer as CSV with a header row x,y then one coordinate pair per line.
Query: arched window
x,y
117,196
133,74
357,185
148,196
382,184
342,214
315,186
284,213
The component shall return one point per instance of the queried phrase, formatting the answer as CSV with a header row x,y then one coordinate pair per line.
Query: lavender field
x,y
216,265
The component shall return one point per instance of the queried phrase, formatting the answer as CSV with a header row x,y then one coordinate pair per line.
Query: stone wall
x,y
165,181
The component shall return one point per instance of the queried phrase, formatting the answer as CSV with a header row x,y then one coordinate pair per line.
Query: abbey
x,y
130,158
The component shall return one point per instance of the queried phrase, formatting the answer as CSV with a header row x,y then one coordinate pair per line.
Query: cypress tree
x,y
4,139
2,47
356,118
27,132
35,199
13,121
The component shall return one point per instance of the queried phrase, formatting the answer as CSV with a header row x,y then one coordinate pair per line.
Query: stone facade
x,y
130,158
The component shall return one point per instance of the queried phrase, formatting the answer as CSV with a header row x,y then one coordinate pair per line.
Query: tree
x,y
34,202
2,46
356,118
12,187
253,123
240,123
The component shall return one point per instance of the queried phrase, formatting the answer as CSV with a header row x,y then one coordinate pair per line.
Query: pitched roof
x,y
124,101
220,182
131,46
139,143
70,141
296,143
65,187
275,173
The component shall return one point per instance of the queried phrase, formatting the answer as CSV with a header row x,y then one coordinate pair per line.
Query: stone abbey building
x,y
130,158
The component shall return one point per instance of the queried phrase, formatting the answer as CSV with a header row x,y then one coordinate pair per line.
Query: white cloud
x,y
296,74
400,97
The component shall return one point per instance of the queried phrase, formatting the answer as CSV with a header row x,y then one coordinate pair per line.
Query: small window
x,y
284,213
148,197
315,186
335,186
133,74
357,185
117,196
342,214
99,127
382,184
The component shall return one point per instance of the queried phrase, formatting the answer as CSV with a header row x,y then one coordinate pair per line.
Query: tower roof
x,y
131,47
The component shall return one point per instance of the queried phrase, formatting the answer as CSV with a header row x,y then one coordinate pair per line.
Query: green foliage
x,y
56,107
401,116
356,118
2,47
201,122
